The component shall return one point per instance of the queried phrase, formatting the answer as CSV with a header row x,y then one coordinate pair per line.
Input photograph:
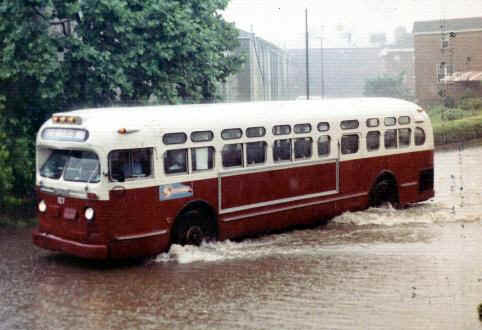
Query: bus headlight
x,y
89,213
42,206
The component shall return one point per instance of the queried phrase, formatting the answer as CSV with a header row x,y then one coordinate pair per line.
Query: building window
x,y
202,158
303,147
373,140
349,144
232,155
444,70
282,150
444,41
175,161
324,145
256,152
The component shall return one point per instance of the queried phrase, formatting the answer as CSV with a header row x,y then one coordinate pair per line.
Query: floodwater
x,y
417,268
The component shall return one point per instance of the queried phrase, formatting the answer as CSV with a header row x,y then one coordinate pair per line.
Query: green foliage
x,y
387,86
457,130
58,55
471,104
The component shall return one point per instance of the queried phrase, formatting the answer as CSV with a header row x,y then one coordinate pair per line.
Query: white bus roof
x,y
233,115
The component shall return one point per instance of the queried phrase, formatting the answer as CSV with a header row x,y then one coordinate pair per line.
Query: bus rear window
x,y
73,165
419,136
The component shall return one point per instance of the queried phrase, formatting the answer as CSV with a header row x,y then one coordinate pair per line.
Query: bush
x,y
17,163
387,86
458,130
471,104
453,114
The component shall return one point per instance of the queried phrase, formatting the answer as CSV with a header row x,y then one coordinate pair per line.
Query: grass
x,y
455,125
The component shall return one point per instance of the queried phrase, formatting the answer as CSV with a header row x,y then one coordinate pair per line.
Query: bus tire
x,y
384,191
192,228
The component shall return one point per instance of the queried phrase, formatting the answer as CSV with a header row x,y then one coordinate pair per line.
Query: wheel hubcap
x,y
194,235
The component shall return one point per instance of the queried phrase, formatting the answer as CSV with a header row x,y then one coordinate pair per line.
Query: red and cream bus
x,y
124,182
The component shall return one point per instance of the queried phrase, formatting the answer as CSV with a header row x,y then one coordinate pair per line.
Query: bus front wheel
x,y
192,228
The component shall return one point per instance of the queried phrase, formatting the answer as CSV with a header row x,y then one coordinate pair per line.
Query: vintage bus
x,y
128,182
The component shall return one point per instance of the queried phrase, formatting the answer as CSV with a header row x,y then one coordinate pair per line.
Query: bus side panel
x,y
268,186
359,176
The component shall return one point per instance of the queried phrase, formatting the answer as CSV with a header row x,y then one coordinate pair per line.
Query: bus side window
x,y
175,161
232,155
419,136
282,150
134,163
324,145
390,138
404,136
303,148
256,152
373,140
202,158
349,144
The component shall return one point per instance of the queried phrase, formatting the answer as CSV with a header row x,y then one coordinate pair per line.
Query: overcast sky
x,y
282,21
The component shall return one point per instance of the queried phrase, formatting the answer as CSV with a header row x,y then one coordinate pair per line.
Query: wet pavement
x,y
417,268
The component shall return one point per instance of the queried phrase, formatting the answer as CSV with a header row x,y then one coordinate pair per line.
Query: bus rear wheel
x,y
192,228
384,191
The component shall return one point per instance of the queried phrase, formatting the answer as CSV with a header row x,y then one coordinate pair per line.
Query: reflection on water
x,y
417,268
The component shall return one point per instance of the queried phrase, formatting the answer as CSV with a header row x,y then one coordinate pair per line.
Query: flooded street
x,y
417,268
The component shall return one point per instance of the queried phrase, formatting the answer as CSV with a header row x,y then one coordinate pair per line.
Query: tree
x,y
130,50
387,86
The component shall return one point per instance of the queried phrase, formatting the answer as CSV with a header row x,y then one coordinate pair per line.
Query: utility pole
x,y
322,69
307,58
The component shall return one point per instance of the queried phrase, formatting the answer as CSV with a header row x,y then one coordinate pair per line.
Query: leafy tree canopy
x,y
387,86
64,54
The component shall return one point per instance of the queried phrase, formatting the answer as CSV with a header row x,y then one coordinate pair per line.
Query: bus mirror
x,y
117,176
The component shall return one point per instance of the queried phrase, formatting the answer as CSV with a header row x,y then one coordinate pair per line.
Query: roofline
x,y
439,33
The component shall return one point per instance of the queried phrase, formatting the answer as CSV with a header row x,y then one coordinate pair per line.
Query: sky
x,y
283,21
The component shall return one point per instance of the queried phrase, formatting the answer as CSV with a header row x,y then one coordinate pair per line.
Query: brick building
x,y
448,58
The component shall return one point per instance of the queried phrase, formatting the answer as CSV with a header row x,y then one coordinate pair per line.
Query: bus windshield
x,y
73,165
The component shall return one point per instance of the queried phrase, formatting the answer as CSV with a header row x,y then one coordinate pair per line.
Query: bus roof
x,y
231,115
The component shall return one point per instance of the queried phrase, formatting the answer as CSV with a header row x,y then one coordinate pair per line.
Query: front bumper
x,y
51,242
